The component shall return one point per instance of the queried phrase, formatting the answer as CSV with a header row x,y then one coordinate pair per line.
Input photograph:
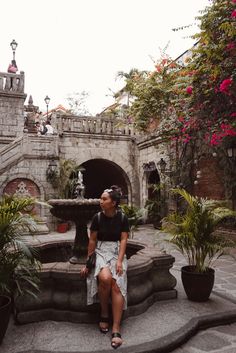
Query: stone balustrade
x,y
91,125
30,146
12,82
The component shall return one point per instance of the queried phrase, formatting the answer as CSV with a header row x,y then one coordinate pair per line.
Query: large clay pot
x,y
5,311
197,286
62,227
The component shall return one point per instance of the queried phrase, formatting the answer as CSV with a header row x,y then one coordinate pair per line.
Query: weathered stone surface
x,y
63,289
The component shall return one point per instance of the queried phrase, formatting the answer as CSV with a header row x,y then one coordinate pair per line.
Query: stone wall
x,y
27,169
120,150
210,184
12,99
150,149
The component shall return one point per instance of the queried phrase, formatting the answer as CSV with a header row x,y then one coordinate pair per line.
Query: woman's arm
x,y
123,244
92,242
91,248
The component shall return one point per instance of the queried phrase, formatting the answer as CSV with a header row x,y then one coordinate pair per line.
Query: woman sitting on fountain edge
x,y
108,238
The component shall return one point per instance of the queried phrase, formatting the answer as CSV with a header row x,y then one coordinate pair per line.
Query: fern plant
x,y
18,265
193,231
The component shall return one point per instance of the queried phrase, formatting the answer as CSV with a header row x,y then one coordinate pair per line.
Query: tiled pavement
x,y
161,318
220,339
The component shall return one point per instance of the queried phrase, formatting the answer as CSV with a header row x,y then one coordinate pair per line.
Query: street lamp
x,y
47,101
231,151
13,45
162,163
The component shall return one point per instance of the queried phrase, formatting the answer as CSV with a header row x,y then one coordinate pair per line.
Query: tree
x,y
77,103
195,100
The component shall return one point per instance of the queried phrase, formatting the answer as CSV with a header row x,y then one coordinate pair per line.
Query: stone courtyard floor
x,y
164,327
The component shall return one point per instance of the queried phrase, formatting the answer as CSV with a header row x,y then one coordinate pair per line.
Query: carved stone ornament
x,y
22,190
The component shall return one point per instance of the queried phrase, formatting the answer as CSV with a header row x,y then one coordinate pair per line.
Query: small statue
x,y
80,188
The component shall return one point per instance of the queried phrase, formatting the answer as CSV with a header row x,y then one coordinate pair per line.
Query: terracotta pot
x,y
197,286
62,227
5,312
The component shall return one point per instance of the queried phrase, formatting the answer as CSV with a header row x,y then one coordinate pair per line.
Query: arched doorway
x,y
100,174
153,202
153,179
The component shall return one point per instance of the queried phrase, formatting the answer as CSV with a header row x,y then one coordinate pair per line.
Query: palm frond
x,y
193,232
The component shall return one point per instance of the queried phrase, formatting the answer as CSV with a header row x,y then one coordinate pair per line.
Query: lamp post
x,y
13,45
162,163
47,101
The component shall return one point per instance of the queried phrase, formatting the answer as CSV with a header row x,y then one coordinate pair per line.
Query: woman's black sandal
x,y
105,320
114,344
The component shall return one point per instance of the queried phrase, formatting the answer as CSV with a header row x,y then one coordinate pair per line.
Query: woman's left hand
x,y
119,268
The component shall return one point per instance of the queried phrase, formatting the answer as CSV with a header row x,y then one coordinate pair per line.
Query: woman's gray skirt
x,y
107,256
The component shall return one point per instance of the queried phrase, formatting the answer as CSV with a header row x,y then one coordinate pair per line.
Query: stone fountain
x,y
63,292
80,211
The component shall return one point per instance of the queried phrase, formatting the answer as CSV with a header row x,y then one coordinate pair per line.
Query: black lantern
x,y
231,152
47,101
51,172
162,163
13,45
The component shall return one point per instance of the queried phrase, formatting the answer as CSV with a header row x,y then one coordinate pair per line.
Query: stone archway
x,y
100,174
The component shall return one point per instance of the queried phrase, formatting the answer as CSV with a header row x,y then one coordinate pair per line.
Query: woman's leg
x,y
104,290
117,309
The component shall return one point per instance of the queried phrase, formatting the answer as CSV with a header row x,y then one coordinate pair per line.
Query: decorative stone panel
x,y
22,187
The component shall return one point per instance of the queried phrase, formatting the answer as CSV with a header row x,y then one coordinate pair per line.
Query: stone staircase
x,y
27,146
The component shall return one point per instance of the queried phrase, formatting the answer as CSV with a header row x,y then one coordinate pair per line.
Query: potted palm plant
x,y
18,266
193,233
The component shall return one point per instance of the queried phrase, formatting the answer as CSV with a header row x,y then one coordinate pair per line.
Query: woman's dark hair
x,y
115,194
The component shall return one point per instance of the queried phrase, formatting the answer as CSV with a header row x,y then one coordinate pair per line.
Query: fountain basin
x,y
63,291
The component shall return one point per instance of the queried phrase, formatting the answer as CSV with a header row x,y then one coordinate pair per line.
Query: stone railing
x,y
27,145
91,125
11,152
12,82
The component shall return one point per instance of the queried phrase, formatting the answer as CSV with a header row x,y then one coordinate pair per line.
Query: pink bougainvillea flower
x,y
186,138
233,114
215,139
189,90
158,68
230,46
234,1
233,14
224,86
181,119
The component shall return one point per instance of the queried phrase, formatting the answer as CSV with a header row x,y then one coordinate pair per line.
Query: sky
x,y
67,46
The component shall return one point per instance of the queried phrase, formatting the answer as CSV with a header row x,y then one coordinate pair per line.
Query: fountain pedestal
x,y
79,211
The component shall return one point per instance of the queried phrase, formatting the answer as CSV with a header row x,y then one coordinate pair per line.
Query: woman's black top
x,y
109,228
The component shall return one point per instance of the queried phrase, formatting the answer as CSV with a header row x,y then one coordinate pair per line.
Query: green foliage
x,y
66,179
134,215
193,231
18,266
157,205
186,100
